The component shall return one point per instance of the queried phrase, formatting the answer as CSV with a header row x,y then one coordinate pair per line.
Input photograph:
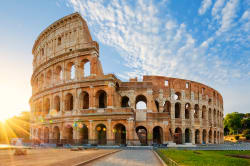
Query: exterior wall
x,y
67,43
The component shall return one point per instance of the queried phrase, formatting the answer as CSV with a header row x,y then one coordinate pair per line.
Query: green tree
x,y
233,121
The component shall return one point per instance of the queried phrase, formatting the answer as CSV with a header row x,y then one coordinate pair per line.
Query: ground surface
x,y
129,158
203,158
48,157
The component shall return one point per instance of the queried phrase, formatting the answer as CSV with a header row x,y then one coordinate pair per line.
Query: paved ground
x,y
129,158
49,157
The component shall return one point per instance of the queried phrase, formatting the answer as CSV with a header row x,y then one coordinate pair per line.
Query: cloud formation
x,y
154,45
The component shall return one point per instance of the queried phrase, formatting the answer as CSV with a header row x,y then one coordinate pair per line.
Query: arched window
x,y
197,136
187,135
86,69
102,99
196,111
177,110
187,110
46,106
48,77
58,73
70,71
57,103
59,41
125,102
178,136
157,105
84,100
177,96
41,83
167,107
204,112
141,102
69,102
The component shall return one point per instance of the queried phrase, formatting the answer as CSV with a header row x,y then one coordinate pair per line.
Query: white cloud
x,y
228,15
205,5
153,45
217,7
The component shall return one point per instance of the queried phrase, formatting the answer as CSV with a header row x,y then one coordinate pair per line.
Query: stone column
x,y
91,132
193,136
130,132
110,140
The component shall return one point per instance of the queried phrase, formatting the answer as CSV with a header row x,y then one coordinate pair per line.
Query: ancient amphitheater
x,y
74,102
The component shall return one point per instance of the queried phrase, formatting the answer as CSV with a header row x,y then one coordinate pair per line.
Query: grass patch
x,y
203,158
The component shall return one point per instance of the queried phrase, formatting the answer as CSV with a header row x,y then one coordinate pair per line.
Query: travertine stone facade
x,y
74,102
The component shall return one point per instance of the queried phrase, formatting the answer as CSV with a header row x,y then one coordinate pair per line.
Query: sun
x,y
3,118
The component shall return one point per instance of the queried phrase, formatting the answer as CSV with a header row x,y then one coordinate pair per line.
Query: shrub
x,y
248,137
246,132
237,137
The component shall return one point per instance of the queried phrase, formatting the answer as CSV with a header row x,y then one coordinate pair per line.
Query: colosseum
x,y
74,102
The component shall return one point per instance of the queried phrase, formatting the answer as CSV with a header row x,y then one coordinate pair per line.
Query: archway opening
x,y
177,110
178,136
69,104
56,134
69,135
102,99
203,116
157,135
83,134
157,106
46,106
120,134
46,135
196,111
101,134
204,136
57,103
210,137
125,102
215,141
84,100
187,110
187,136
197,136
177,96
167,107
141,102
142,135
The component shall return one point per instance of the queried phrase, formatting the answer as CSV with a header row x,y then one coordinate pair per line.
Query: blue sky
x,y
202,40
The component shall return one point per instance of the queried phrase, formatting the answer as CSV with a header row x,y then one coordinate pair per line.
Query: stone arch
x,y
210,115
187,135
48,77
177,96
69,102
204,136
101,97
157,106
197,136
68,134
157,135
84,100
210,136
57,104
85,67
177,110
178,136
167,107
203,114
215,141
101,134
142,134
141,102
119,131
46,106
71,71
83,133
58,73
196,111
41,81
46,135
187,110
56,134
125,102
39,134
